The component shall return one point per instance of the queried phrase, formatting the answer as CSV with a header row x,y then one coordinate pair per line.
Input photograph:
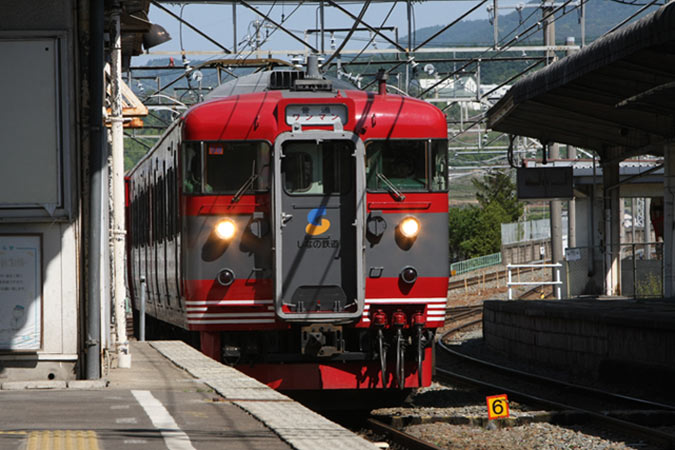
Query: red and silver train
x,y
299,227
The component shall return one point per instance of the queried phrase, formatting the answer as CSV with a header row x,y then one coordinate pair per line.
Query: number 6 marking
x,y
498,406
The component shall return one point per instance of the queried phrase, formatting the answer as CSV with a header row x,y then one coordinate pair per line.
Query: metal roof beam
x,y
192,27
362,22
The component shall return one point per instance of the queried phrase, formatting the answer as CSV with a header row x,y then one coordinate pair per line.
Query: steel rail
x,y
553,381
399,437
488,277
463,312
656,436
651,434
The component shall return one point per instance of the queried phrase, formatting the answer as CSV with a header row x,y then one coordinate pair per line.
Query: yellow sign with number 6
x,y
498,406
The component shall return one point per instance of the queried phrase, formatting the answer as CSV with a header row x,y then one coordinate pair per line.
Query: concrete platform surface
x,y
157,405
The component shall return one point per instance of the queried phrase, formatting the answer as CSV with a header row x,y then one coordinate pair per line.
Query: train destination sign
x,y
316,114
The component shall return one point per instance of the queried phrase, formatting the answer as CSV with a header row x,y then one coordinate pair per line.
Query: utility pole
x,y
410,44
234,27
495,24
117,137
555,206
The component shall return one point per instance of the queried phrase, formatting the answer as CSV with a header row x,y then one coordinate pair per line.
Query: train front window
x,y
320,168
408,165
224,167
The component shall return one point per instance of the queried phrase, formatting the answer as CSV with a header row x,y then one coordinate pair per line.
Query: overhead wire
x,y
349,34
502,48
391,10
634,3
627,19
528,32
283,19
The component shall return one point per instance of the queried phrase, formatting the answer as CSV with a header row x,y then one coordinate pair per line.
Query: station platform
x,y
604,339
172,397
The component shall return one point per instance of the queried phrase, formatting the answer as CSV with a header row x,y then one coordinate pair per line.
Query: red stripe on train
x,y
209,205
418,202
240,289
396,288
244,289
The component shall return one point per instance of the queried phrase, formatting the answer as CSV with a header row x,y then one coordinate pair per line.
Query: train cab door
x,y
319,195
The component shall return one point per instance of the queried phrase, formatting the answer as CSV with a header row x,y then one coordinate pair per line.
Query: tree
x,y
497,187
476,230
486,235
461,222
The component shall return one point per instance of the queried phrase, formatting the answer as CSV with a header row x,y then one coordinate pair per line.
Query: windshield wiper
x,y
397,194
246,186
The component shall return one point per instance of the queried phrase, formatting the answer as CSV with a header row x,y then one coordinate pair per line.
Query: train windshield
x,y
321,168
225,167
408,165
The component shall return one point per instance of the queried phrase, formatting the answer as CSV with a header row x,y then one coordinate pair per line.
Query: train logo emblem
x,y
317,223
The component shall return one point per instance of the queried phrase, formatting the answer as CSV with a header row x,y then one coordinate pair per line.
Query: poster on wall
x,y
20,293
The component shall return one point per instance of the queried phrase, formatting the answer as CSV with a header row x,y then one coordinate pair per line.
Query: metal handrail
x,y
557,281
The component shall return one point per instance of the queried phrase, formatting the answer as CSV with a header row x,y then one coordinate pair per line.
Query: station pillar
x,y
613,212
668,219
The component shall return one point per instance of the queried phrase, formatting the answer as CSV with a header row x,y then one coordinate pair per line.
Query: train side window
x,y
224,167
439,168
192,168
409,165
230,165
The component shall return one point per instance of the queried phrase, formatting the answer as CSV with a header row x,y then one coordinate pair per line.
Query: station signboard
x,y
544,183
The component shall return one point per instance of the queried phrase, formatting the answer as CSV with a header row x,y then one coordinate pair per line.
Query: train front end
x,y
314,248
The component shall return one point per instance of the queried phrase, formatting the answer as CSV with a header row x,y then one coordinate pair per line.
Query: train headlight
x,y
408,275
225,229
226,277
410,227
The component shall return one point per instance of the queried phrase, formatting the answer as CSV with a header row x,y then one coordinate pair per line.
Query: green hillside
x,y
601,16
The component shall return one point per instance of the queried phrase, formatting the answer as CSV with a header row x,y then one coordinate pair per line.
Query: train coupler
x,y
322,340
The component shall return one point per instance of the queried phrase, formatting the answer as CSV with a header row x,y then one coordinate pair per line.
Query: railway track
x,y
398,437
486,277
627,414
379,432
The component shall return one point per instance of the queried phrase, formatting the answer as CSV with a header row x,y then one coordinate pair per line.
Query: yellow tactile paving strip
x,y
62,440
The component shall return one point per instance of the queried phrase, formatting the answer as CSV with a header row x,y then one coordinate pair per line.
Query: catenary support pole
x,y
572,204
612,233
668,220
117,132
555,206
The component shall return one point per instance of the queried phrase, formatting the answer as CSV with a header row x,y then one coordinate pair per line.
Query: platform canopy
x,y
617,93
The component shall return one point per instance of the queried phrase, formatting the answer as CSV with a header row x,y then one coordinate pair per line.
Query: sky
x,y
215,20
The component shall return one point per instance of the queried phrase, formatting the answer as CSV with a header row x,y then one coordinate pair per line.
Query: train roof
x,y
260,82
253,107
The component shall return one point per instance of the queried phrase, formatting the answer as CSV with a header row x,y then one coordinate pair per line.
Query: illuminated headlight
x,y
225,229
409,227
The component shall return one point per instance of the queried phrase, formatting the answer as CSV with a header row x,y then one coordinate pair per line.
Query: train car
x,y
299,227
